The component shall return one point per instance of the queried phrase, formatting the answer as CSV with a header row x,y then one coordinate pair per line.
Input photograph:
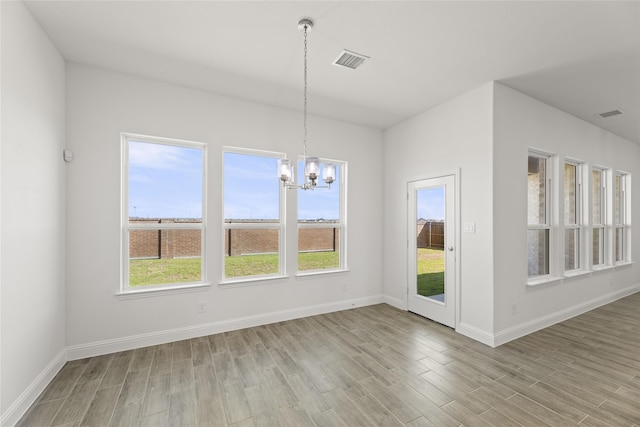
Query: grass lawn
x,y
430,272
318,260
158,271
248,265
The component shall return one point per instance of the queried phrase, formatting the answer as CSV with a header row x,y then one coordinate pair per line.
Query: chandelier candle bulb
x,y
285,170
311,168
329,173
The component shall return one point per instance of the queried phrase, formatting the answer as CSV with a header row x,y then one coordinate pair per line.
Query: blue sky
x,y
166,182
430,203
251,191
251,188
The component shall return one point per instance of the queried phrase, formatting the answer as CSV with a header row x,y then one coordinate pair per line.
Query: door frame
x,y
456,173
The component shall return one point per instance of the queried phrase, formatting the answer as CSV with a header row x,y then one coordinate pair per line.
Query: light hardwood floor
x,y
363,367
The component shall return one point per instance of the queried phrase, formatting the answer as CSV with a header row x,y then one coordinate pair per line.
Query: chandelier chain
x,y
305,91
312,166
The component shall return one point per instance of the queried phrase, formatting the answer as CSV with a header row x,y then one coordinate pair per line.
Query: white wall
x,y
522,122
103,104
456,135
33,209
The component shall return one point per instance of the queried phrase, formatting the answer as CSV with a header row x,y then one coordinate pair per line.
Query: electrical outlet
x,y
202,306
344,287
514,308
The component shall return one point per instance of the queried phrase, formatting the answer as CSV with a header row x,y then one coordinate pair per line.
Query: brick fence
x,y
164,243
187,243
242,242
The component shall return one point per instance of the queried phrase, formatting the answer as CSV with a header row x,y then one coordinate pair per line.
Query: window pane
x,y
537,191
538,252
571,249
251,197
251,191
619,244
251,252
164,256
570,194
321,203
430,242
617,208
318,248
596,197
165,181
598,246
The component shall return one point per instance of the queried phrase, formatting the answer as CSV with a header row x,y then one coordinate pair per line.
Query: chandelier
x,y
312,165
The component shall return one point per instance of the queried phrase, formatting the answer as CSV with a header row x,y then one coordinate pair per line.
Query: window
x,y
620,215
253,215
321,224
598,217
572,215
538,213
163,212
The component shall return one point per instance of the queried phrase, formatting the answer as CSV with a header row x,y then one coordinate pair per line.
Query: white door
x,y
432,251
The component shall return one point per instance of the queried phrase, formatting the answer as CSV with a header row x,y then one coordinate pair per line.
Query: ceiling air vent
x,y
350,59
610,114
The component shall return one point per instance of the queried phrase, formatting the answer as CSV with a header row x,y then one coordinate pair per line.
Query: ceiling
x,y
582,57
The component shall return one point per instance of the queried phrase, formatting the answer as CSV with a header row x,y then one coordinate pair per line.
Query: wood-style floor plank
x,y
370,366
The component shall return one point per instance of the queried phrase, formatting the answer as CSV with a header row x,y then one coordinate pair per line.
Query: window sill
x,y
623,264
544,281
576,273
319,272
249,281
602,268
168,290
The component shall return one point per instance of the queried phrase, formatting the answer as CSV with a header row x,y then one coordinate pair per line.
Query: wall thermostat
x,y
67,155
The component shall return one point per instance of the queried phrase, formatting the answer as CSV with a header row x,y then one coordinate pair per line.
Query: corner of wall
x,y
33,192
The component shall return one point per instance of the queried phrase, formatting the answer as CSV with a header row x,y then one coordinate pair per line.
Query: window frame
x,y
580,216
550,222
605,247
341,225
280,226
127,227
622,221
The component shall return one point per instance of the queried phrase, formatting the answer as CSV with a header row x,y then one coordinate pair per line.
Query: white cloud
x,y
158,156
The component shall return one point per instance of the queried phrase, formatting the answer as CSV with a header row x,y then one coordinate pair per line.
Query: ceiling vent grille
x,y
348,59
610,114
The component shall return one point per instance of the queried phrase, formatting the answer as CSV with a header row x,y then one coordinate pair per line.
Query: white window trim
x,y
625,213
341,225
552,195
581,218
605,214
125,290
281,226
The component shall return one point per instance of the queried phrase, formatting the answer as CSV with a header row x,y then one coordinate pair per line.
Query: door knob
x,y
450,248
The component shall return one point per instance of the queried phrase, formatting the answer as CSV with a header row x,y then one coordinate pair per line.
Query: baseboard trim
x,y
161,337
477,334
22,404
394,302
523,329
